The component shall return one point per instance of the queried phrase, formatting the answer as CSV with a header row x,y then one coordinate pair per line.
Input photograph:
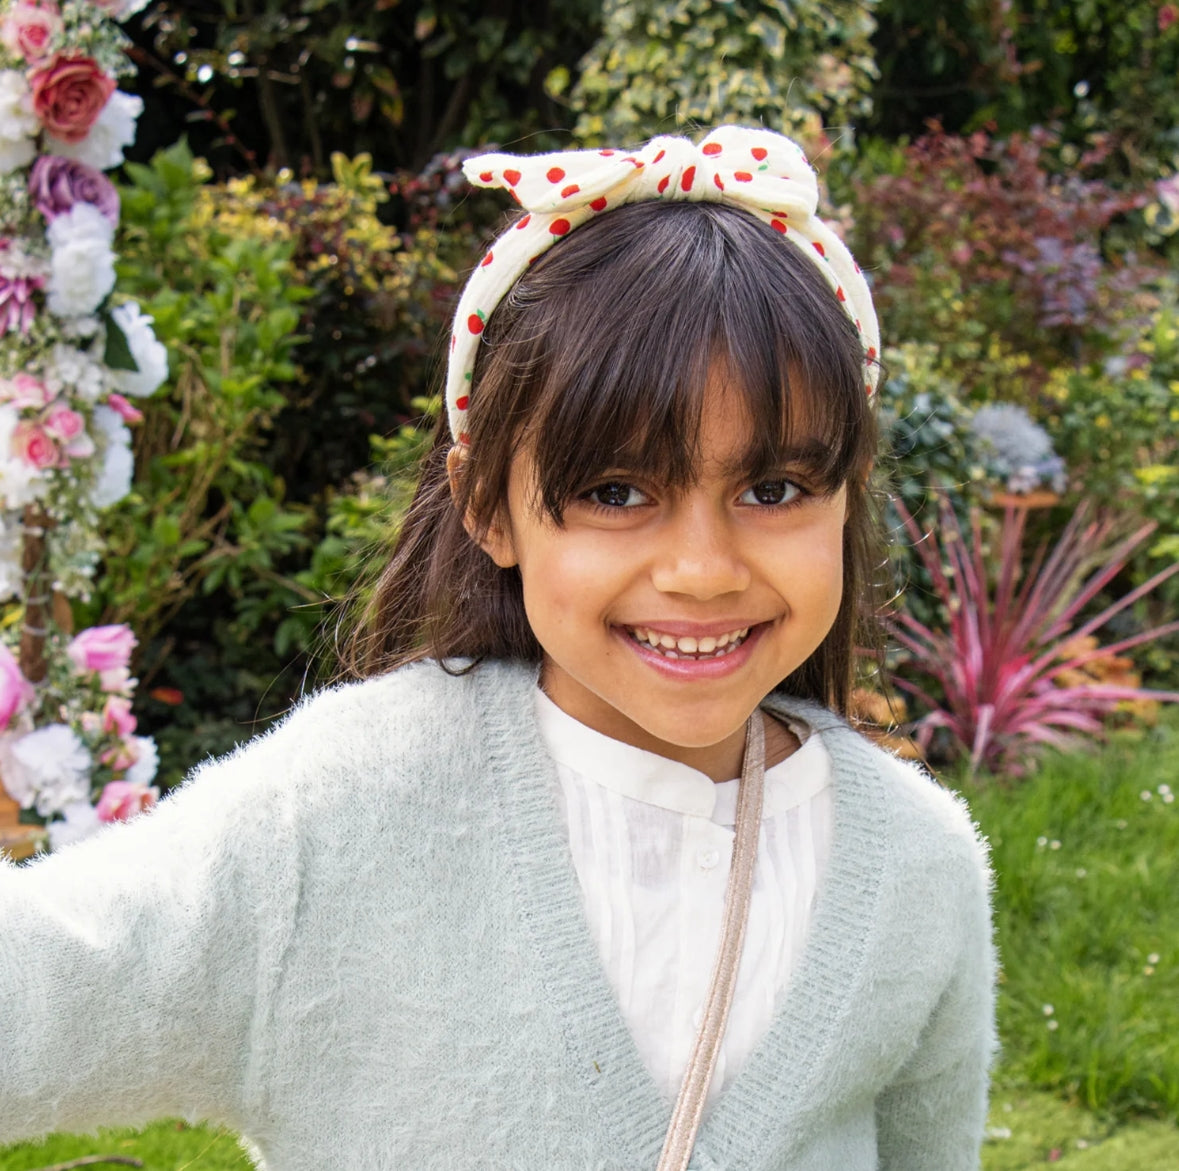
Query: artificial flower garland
x,y
70,363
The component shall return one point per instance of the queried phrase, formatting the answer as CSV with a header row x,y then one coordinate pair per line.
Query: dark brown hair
x,y
599,357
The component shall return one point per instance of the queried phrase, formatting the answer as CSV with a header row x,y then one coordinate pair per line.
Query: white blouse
x,y
651,841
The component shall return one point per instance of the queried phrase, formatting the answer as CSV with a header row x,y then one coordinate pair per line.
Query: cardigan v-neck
x,y
651,841
787,1066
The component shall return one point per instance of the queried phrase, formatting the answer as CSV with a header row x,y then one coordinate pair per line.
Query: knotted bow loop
x,y
765,173
754,168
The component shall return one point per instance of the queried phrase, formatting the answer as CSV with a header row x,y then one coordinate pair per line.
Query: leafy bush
x,y
662,64
985,249
282,83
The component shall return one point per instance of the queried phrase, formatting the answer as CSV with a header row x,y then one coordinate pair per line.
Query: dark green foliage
x,y
274,83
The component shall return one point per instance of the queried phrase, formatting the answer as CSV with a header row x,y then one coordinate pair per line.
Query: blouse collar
x,y
653,779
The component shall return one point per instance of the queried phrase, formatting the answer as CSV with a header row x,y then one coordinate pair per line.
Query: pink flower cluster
x,y
106,652
122,800
55,433
16,692
17,307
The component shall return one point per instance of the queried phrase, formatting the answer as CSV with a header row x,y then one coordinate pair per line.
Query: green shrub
x,y
660,65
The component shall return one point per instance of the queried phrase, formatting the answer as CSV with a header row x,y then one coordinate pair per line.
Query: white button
x,y
708,859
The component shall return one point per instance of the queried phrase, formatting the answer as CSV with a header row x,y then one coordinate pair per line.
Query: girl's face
x,y
665,617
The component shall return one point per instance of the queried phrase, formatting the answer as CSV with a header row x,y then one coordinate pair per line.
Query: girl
x,y
463,913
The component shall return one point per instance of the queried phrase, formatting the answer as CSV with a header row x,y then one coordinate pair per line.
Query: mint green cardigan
x,y
358,941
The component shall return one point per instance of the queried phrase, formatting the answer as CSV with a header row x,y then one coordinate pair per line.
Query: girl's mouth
x,y
669,646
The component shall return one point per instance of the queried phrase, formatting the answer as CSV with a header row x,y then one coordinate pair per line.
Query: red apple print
x,y
855,266
554,174
462,401
453,340
778,226
511,178
819,249
871,353
572,189
464,438
758,152
659,156
523,223
743,176
688,179
717,180
712,148
599,204
606,153
485,176
487,259
841,294
663,184
559,227
475,323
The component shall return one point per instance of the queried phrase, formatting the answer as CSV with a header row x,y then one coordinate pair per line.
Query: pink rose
x,y
121,800
31,443
1168,14
16,691
28,29
56,184
124,409
23,390
122,756
102,648
117,717
62,423
69,94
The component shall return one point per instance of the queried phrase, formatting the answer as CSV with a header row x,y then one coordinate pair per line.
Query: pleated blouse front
x,y
651,841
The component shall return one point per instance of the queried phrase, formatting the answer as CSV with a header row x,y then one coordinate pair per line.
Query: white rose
x,y
82,262
75,373
53,765
81,820
143,771
20,483
11,540
112,481
113,129
150,354
18,123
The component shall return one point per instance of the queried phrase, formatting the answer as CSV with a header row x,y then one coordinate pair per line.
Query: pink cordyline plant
x,y
1006,665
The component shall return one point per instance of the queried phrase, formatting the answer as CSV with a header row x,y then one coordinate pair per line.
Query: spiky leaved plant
x,y
1006,667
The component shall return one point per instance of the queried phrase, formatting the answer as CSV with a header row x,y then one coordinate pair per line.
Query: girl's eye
x,y
771,492
616,494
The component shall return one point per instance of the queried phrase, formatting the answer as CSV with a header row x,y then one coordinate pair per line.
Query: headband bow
x,y
763,172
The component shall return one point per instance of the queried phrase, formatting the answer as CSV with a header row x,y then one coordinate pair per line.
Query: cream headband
x,y
758,170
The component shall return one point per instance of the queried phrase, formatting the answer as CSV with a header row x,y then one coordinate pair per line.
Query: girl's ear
x,y
496,541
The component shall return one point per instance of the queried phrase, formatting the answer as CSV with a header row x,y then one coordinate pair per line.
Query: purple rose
x,y
56,184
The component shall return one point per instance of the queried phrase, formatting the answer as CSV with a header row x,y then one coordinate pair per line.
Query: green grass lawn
x,y
1086,853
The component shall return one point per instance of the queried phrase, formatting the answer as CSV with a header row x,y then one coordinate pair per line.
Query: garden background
x,y
295,221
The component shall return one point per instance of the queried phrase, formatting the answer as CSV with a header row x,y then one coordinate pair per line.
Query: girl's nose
x,y
698,554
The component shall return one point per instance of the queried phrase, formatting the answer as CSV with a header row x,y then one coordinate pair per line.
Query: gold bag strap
x,y
689,1106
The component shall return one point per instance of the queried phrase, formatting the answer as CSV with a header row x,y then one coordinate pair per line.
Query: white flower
x,y
143,771
150,354
82,262
81,820
18,123
113,129
11,539
20,482
112,481
75,373
50,769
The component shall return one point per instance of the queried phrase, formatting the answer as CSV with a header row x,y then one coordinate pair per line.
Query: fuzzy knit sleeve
x,y
933,1113
132,964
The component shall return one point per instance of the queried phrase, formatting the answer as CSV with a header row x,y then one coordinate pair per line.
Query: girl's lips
x,y
686,666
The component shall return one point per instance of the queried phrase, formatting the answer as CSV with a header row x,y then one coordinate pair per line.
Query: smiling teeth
x,y
709,647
